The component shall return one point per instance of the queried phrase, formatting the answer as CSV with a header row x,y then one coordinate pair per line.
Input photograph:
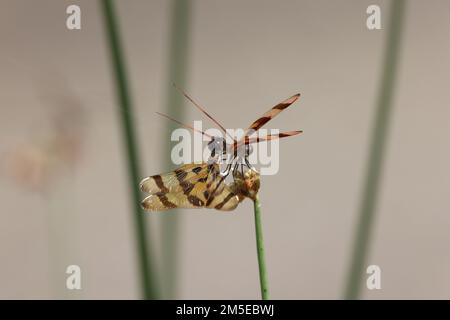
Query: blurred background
x,y
64,186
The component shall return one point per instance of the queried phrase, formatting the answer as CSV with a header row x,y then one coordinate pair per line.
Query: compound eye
x,y
216,144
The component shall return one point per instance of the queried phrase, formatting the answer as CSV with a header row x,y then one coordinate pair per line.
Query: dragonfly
x,y
202,185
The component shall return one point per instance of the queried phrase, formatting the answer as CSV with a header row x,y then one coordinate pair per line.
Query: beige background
x,y
245,56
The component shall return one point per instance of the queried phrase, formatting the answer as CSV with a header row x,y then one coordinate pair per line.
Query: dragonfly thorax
x,y
243,151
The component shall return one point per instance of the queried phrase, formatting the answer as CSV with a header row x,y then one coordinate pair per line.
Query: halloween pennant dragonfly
x,y
202,185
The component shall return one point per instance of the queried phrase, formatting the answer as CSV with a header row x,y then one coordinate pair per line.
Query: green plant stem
x,y
177,69
376,153
125,112
260,250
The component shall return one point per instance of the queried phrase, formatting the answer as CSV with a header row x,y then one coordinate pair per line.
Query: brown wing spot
x,y
282,106
187,187
162,197
181,174
210,199
195,201
160,183
204,179
196,170
228,197
260,122
206,194
214,191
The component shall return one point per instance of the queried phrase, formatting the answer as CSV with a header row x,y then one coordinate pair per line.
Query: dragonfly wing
x,y
272,113
181,188
250,140
189,186
219,194
165,201
225,200
171,181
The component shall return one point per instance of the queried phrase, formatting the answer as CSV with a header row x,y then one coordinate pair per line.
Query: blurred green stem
x,y
260,250
376,153
177,69
126,115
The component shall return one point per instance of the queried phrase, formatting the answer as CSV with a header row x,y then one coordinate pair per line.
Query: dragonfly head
x,y
217,145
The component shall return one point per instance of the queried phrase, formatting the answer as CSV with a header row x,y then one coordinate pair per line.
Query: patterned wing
x,y
171,181
182,188
257,139
219,194
190,186
272,113
224,199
